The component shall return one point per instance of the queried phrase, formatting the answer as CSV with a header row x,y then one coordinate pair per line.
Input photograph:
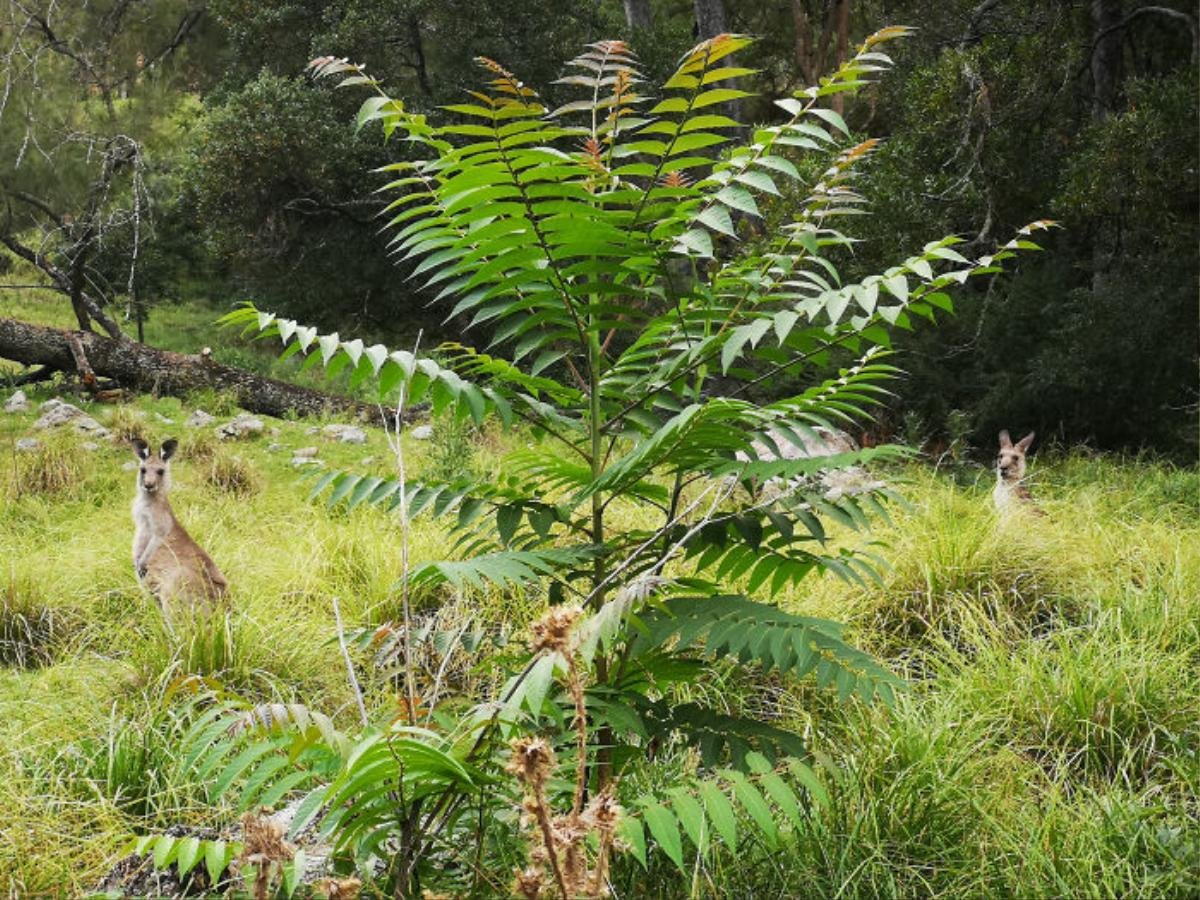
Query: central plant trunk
x,y
599,569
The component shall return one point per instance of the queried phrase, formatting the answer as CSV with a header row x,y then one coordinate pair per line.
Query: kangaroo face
x,y
154,473
1010,463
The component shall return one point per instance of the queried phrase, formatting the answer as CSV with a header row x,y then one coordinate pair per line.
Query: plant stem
x,y
398,449
596,596
341,633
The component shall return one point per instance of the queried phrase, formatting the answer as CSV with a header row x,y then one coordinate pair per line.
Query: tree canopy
x,y
151,152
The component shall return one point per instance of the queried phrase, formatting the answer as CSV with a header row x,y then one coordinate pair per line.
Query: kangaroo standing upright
x,y
1011,492
166,559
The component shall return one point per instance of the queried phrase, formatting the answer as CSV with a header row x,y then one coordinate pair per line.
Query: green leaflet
x,y
504,568
717,805
731,624
664,828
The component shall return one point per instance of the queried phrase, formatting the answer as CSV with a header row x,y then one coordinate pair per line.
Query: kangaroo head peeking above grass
x,y
1011,491
167,561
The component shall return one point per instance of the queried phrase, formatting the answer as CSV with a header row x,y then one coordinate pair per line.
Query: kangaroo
x,y
166,560
1011,492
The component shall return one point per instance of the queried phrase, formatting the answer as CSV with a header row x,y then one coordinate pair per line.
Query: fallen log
x,y
144,368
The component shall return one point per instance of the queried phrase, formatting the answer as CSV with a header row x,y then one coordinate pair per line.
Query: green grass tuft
x,y
1046,748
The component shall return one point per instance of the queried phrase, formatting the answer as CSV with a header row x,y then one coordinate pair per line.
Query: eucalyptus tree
x,y
84,88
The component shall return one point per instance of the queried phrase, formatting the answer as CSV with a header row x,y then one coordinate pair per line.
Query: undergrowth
x,y
1046,747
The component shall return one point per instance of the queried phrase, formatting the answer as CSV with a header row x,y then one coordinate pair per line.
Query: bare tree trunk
x,y
142,367
710,18
711,21
1106,79
810,46
1106,56
843,46
802,37
638,15
419,65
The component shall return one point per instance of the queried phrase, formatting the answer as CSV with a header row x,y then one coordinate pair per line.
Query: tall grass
x,y
1047,746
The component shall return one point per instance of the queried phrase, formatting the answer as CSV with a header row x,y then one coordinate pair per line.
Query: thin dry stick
x,y
723,492
437,679
397,446
358,697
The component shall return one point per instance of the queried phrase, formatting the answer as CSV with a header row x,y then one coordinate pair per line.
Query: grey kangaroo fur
x,y
1011,491
166,560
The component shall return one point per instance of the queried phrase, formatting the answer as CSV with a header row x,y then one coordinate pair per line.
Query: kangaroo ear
x,y
1023,443
168,448
1005,440
140,448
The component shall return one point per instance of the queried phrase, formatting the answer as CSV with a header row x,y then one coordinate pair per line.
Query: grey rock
x,y
199,419
315,429
305,452
18,402
164,419
848,482
300,462
90,426
28,444
90,446
56,413
243,425
318,862
275,447
422,432
820,442
366,461
834,483
347,434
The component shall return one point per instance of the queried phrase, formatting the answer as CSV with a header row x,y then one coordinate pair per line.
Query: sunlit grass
x,y
1047,746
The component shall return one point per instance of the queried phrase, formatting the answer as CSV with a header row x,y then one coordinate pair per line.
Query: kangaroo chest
x,y
152,520
1002,495
1009,493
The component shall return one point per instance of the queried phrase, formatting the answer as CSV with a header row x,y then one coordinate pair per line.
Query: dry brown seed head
x,y
532,760
339,888
552,632
603,812
264,838
529,882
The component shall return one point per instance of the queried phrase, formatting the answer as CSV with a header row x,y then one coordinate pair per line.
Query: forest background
x,y
206,165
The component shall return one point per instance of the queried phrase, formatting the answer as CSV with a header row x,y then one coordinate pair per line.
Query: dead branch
x,y
144,368
82,366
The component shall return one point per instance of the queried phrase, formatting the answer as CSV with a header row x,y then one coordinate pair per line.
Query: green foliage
x,y
134,764
50,469
31,633
1089,341
232,474
215,860
604,243
361,789
763,800
976,782
452,450
302,237
264,228
742,629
